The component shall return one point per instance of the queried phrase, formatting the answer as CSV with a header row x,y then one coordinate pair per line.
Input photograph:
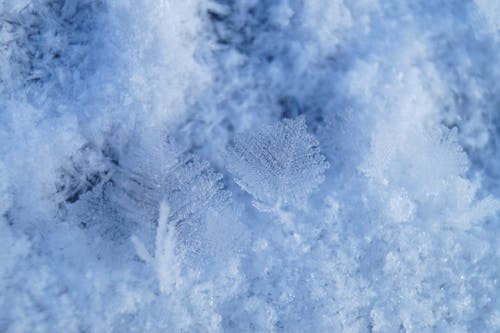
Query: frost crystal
x,y
157,173
132,187
278,164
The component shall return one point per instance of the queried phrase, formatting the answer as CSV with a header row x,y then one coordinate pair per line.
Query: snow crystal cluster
x,y
249,166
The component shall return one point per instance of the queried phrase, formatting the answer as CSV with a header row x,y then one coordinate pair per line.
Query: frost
x,y
127,189
46,41
161,168
164,260
490,10
278,164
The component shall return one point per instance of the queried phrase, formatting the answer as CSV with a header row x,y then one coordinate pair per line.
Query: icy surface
x,y
249,166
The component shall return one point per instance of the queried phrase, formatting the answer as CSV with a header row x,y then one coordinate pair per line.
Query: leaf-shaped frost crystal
x,y
278,164
130,194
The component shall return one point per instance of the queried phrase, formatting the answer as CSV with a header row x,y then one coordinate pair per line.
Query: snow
x,y
249,166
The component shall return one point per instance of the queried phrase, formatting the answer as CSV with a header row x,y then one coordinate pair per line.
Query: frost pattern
x,y
126,127
133,185
278,164
46,41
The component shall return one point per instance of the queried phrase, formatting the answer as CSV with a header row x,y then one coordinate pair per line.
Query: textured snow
x,y
249,166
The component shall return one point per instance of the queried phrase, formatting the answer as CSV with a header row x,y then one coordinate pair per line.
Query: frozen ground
x,y
249,166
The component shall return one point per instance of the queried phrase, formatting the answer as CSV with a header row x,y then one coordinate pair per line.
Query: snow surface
x,y
249,166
